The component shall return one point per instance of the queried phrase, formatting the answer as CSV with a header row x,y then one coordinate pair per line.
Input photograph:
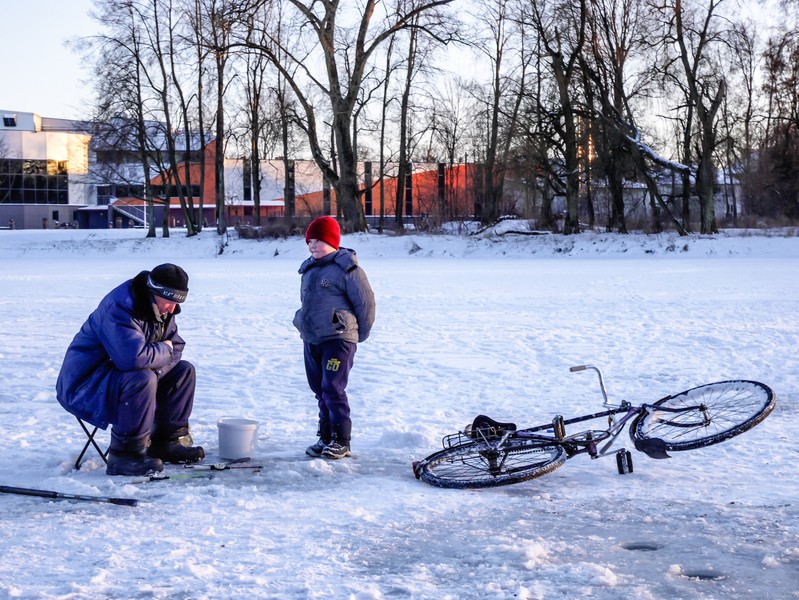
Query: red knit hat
x,y
325,229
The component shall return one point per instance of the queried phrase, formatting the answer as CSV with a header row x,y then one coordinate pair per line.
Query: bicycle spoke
x,y
486,465
711,413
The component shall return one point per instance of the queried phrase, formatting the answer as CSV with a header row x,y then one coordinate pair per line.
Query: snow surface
x,y
465,325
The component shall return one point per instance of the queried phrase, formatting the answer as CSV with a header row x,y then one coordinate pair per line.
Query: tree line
x,y
570,99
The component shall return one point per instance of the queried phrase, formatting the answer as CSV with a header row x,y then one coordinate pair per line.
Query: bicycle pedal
x,y
624,461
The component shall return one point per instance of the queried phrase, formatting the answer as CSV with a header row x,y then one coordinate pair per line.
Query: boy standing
x,y
337,312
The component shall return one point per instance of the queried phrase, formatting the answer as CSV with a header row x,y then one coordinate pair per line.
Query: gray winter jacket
x,y
337,300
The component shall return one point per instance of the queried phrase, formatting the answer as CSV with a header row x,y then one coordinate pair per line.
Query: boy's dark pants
x,y
327,366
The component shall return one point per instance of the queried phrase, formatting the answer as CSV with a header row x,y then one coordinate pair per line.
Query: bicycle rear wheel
x,y
480,465
713,413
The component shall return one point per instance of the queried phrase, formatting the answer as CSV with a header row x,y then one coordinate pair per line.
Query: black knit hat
x,y
169,281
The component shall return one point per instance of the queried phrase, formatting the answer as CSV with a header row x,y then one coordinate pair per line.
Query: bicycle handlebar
x,y
599,374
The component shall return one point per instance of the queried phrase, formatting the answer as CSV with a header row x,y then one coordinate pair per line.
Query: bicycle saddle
x,y
483,423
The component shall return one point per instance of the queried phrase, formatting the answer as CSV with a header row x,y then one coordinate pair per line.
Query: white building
x,y
44,170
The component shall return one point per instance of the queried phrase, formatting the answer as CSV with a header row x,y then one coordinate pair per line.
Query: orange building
x,y
432,191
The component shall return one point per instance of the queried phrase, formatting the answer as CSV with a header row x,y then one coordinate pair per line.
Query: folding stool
x,y
90,441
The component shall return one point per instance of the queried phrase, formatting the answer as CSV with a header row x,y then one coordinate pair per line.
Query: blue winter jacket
x,y
337,300
122,334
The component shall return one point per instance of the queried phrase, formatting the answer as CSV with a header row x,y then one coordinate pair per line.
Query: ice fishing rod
x,y
6,489
165,476
220,467
204,474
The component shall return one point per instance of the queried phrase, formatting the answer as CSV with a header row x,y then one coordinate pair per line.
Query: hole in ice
x,y
703,575
641,546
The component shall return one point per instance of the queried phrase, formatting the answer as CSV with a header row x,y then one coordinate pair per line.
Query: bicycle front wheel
x,y
481,465
705,415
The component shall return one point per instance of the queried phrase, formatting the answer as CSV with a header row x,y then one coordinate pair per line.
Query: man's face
x,y
165,307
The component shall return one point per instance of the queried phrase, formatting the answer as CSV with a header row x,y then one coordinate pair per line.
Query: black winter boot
x,y
175,446
324,439
127,457
339,447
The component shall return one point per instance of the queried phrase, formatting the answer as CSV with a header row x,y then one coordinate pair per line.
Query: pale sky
x,y
40,74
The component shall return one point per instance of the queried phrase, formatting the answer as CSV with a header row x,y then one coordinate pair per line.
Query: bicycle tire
x,y
480,465
733,407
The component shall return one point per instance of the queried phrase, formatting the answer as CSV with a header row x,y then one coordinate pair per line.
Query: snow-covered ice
x,y
465,325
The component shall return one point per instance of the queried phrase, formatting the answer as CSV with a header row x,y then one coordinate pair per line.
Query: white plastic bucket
x,y
237,437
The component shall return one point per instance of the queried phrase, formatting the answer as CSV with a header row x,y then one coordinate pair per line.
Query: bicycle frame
x,y
586,441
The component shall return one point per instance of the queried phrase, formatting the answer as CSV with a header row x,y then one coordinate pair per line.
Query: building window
x,y
247,174
25,181
9,120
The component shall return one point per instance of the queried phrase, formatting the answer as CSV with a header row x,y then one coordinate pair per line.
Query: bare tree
x,y
739,121
694,32
617,31
169,85
201,58
540,136
779,166
502,44
346,53
122,114
387,73
220,18
561,28
744,54
705,93
147,34
412,118
451,113
288,127
255,91
403,171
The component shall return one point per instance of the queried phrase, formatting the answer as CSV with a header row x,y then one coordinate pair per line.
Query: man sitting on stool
x,y
124,368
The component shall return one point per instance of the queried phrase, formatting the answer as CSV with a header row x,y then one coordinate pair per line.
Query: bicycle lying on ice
x,y
488,453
